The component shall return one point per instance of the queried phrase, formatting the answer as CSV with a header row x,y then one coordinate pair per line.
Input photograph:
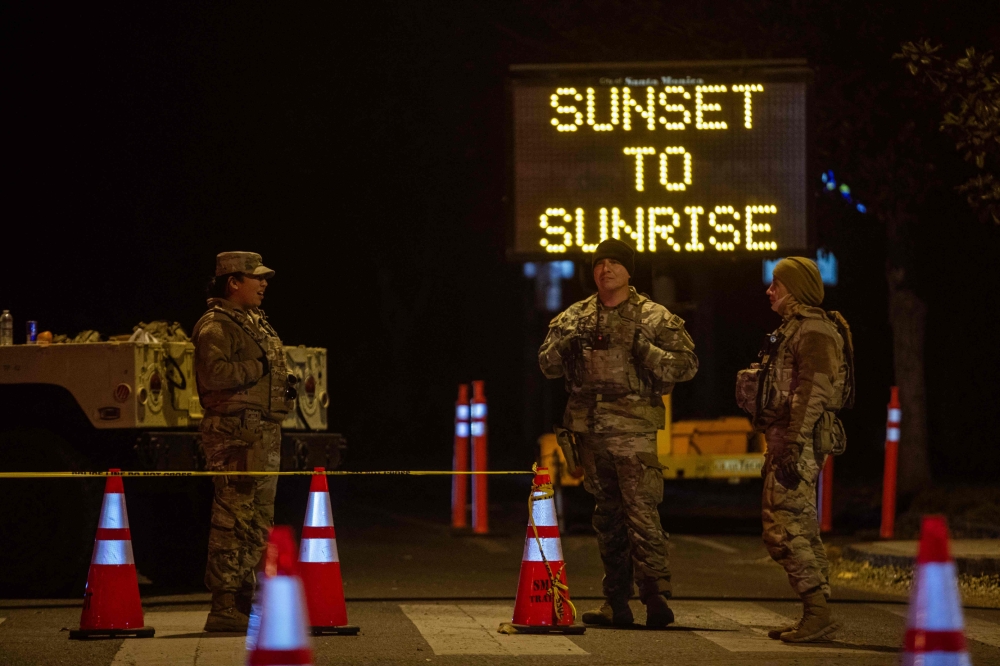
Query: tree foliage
x,y
969,92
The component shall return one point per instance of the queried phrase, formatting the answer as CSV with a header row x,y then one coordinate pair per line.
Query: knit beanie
x,y
802,279
617,250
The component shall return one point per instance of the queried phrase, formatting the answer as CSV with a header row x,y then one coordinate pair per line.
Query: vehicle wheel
x,y
47,526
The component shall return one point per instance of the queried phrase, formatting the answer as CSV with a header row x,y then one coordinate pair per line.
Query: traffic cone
x,y
111,607
278,634
542,604
319,564
934,625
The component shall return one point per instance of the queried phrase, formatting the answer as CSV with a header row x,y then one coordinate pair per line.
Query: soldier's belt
x,y
609,397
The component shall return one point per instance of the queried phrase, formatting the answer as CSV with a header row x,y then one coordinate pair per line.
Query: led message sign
x,y
669,162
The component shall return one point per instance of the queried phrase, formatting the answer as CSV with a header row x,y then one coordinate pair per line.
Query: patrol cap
x,y
241,262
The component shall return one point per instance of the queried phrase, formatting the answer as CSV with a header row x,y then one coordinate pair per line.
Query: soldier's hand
x,y
643,349
786,468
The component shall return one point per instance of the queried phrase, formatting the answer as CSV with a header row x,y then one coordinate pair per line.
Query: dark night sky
x,y
363,154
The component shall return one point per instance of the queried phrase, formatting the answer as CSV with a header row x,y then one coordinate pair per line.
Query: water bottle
x,y
6,329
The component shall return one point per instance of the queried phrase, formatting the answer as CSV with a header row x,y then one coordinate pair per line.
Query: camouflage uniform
x,y
793,395
241,431
618,362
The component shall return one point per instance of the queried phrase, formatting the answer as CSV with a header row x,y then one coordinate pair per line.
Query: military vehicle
x,y
131,404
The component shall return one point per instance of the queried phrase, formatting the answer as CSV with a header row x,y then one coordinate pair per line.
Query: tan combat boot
x,y
816,624
776,633
224,615
658,613
611,613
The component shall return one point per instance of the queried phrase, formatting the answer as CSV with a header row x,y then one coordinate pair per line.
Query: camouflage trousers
x,y
243,508
622,473
791,524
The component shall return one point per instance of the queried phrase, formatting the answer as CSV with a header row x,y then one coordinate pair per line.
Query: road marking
x,y
196,646
708,543
748,624
491,546
982,631
472,629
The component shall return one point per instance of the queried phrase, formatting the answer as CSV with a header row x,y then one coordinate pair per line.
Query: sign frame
x,y
766,71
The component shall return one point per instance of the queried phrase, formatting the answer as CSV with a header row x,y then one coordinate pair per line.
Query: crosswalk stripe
x,y
748,624
472,629
195,647
708,543
982,631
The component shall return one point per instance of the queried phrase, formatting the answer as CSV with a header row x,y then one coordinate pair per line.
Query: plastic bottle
x,y
6,329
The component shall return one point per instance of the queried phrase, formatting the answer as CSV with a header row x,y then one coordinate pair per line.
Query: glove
x,y
644,350
786,468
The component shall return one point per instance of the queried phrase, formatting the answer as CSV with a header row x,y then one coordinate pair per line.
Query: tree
x,y
969,92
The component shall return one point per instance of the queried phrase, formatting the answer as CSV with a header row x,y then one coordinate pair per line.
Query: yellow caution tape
x,y
560,591
419,472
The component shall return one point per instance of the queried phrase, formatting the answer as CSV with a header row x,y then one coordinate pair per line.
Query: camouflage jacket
x,y
617,362
802,374
230,345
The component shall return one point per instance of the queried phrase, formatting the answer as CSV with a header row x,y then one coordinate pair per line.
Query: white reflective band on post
x,y
478,428
895,415
318,513
319,550
112,552
892,434
461,429
462,412
113,515
479,410
551,546
939,659
285,628
544,513
937,606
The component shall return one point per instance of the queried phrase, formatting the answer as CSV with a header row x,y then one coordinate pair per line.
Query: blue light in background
x,y
826,261
549,276
830,181
530,269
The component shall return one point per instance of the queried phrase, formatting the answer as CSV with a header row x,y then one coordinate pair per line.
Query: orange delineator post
x,y
460,462
826,496
889,474
480,499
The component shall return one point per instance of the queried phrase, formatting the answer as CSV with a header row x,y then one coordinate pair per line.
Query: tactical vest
x,y
602,361
271,389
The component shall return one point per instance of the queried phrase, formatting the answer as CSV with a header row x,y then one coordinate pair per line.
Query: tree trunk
x,y
907,317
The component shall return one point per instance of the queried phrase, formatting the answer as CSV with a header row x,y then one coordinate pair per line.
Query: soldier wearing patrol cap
x,y
246,392
620,353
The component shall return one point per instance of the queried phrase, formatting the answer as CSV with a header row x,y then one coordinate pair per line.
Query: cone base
x,y
511,628
83,634
343,630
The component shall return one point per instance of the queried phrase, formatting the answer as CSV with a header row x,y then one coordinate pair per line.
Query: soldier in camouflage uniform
x,y
805,376
244,390
620,353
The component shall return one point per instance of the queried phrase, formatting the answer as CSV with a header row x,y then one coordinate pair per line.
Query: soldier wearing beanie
x,y
620,353
803,378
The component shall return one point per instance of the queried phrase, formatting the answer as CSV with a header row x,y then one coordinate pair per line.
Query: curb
x,y
972,566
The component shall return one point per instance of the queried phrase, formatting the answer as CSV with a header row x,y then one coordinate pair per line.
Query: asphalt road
x,y
422,595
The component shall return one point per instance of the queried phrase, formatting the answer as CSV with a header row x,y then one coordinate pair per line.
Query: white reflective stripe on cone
x,y
937,659
544,513
112,551
936,605
284,615
113,514
318,512
551,546
895,415
892,434
319,550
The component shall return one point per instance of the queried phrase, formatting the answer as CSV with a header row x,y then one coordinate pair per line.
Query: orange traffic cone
x,y
111,605
278,634
542,604
319,564
934,626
